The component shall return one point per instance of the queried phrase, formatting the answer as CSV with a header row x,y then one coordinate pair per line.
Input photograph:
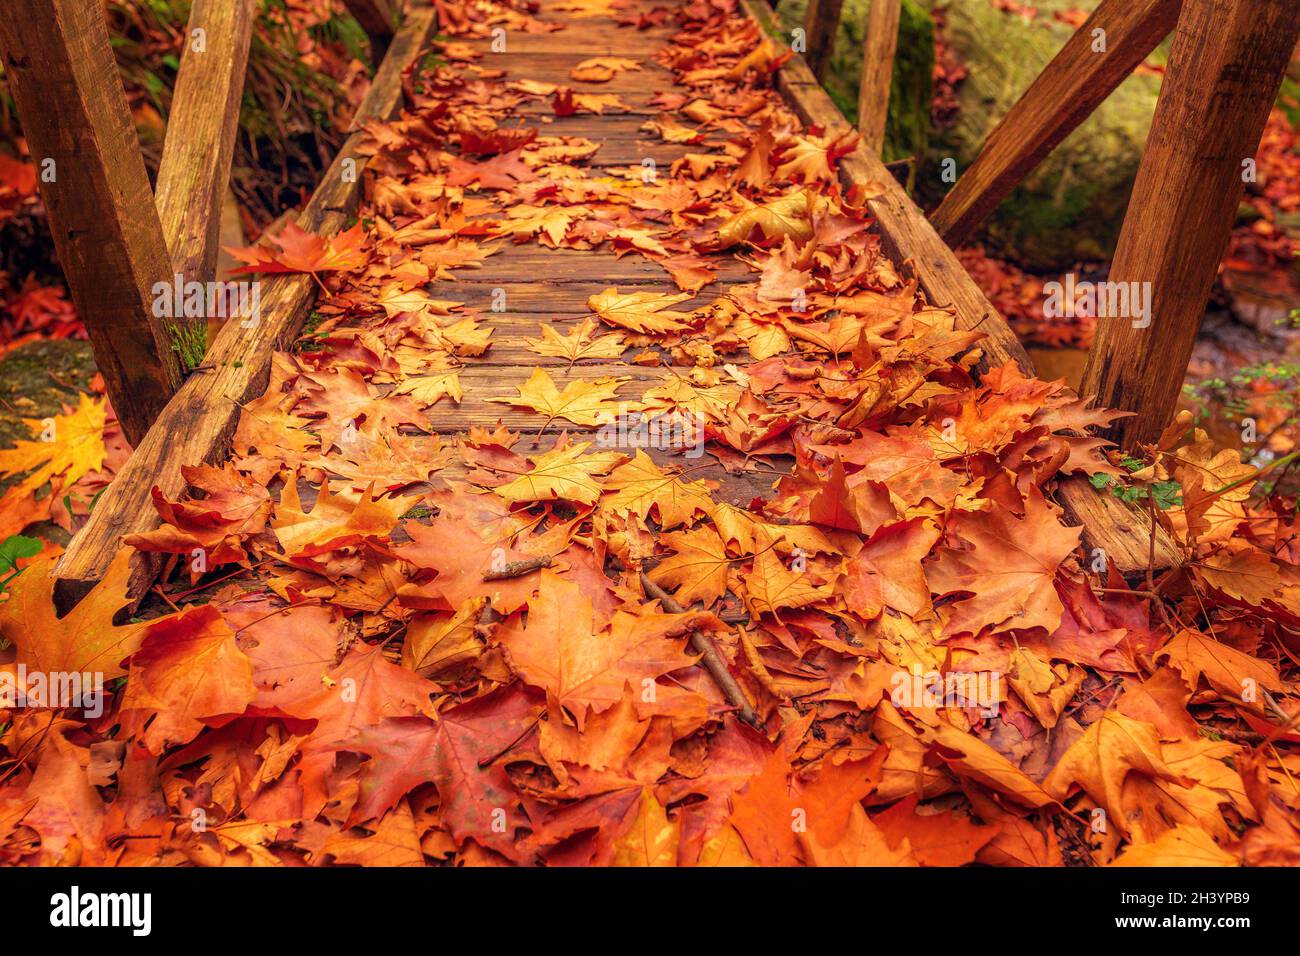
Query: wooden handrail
x,y
1070,87
1119,529
197,424
1224,71
879,46
92,178
379,18
821,21
200,141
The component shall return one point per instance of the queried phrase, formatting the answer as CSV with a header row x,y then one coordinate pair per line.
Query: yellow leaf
x,y
771,585
436,642
640,311
640,486
578,344
1227,669
75,447
565,473
335,521
84,640
1181,846
698,566
725,848
787,216
1112,747
582,402
1246,574
601,69
651,840
968,756
427,389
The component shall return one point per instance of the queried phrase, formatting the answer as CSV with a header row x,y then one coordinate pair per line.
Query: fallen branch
x,y
710,657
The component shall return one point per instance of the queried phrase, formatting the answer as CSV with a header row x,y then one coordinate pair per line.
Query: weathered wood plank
x,y
580,36
379,19
197,424
1072,85
908,236
530,260
74,114
821,21
530,297
877,71
195,168
1224,72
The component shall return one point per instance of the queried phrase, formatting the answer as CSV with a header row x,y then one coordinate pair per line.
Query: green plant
x,y
12,550
309,340
189,342
1165,494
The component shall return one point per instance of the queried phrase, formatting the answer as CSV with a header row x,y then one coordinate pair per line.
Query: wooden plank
x,y
194,172
877,71
79,131
196,426
1072,85
821,21
907,236
569,294
379,19
1225,68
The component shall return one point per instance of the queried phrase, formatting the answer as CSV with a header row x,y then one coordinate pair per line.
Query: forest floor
x,y
608,342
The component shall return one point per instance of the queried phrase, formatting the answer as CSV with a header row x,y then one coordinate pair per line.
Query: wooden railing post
x,y
1085,71
198,423
1117,527
379,19
878,50
73,111
195,168
820,23
1224,71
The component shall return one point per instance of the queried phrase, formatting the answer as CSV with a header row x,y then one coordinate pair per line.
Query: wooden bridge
x,y
117,237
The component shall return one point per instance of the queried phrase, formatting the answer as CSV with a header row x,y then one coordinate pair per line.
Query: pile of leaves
x,y
385,646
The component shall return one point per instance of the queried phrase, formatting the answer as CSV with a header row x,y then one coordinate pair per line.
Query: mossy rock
x,y
1070,207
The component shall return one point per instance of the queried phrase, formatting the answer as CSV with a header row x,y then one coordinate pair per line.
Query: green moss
x,y
907,128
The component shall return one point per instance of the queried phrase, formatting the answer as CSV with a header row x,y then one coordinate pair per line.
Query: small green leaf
x,y
18,546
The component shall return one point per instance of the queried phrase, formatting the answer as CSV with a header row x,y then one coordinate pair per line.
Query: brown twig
x,y
710,657
517,569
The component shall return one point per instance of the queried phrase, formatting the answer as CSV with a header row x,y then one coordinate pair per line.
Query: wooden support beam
x,y
821,21
198,423
1119,529
1225,68
195,168
79,131
1072,85
379,19
877,71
